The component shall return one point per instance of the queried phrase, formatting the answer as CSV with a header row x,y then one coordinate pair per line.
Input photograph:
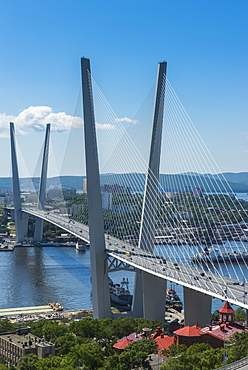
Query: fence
x,y
235,365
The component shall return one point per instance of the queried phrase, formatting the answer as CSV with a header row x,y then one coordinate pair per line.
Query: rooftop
x,y
121,344
188,331
223,331
164,341
23,338
226,308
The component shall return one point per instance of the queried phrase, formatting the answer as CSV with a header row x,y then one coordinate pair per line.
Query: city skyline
x,y
204,45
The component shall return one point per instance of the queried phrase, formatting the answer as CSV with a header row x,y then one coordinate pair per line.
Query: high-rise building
x,y
106,200
85,186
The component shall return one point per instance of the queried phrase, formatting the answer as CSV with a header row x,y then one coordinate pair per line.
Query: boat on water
x,y
173,300
80,247
56,306
120,295
212,254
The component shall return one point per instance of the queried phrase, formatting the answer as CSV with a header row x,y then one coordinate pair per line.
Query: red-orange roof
x,y
164,342
226,308
188,331
122,344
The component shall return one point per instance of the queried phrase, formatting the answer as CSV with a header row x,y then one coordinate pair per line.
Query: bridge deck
x,y
210,283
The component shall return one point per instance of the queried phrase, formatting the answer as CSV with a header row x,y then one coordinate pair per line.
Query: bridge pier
x,y
154,297
38,229
197,307
137,306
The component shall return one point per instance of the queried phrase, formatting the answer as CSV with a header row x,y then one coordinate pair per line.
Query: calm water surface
x,y
33,276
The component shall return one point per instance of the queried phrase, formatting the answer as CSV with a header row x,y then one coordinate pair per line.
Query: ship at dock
x,y
56,306
213,255
120,296
173,300
80,247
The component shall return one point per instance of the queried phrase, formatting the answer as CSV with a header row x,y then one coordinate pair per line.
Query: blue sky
x,y
204,43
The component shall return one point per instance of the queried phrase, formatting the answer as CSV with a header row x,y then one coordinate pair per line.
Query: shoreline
x,y
26,314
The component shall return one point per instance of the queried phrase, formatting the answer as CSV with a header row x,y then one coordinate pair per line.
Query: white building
x,y
106,200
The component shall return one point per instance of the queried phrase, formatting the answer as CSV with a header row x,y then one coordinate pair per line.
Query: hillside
x,y
238,182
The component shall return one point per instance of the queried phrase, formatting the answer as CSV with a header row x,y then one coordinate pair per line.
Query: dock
x,y
6,247
25,310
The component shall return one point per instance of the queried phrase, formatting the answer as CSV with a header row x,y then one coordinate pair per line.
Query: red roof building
x,y
133,337
164,342
215,335
187,335
119,346
226,313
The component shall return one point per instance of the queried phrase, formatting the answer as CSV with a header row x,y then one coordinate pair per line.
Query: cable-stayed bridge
x,y
210,283
123,234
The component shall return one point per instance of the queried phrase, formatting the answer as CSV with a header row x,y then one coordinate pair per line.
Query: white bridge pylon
x,y
149,297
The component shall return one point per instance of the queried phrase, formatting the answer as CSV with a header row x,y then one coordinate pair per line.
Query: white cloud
x,y
104,126
36,118
128,120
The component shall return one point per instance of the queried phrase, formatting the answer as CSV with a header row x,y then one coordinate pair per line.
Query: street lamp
x,y
245,293
225,356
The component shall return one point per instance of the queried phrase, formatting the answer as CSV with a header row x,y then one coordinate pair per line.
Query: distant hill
x,y
241,177
238,182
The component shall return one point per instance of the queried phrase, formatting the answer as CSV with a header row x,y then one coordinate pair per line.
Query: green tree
x,y
147,345
89,356
240,314
36,327
55,363
52,329
199,356
127,360
28,362
88,328
64,343
3,367
215,315
239,349
5,326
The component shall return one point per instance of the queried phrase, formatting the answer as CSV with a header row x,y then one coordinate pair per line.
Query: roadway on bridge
x,y
188,276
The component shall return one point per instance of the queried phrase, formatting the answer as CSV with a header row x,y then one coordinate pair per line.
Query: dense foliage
x,y
88,344
3,224
199,356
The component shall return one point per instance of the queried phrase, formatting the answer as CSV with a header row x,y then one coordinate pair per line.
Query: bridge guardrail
x,y
235,365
